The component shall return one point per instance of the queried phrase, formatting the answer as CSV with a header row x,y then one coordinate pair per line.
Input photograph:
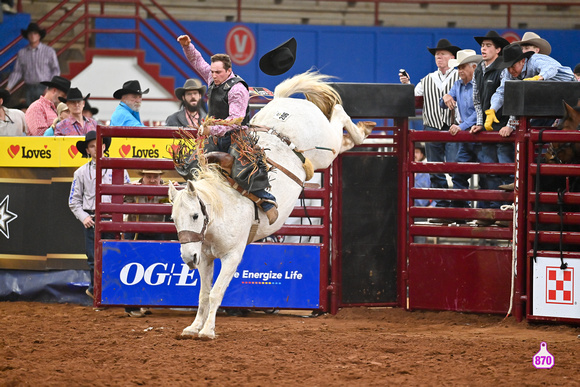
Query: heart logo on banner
x,y
72,151
124,150
13,150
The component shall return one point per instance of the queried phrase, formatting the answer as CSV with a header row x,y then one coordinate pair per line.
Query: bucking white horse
x,y
213,220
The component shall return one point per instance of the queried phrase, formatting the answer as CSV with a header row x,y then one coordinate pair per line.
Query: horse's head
x,y
191,219
568,152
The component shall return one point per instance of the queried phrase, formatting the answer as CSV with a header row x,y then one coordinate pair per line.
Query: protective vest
x,y
487,84
218,99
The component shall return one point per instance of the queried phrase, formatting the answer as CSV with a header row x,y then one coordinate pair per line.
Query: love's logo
x,y
72,151
13,150
124,150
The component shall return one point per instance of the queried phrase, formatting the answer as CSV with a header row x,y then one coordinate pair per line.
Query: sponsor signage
x,y
241,45
61,151
556,290
152,273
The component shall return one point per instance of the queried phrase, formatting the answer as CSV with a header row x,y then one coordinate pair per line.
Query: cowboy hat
x,y
511,54
280,59
129,87
463,57
90,136
58,82
5,96
155,171
444,44
494,37
190,84
533,39
94,111
33,27
74,94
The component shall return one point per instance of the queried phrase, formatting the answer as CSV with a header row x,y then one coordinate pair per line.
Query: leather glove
x,y
490,119
534,78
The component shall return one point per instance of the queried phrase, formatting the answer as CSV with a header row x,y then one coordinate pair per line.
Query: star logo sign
x,y
6,217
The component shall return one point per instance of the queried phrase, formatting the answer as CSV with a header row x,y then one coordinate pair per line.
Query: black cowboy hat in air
x,y
5,95
90,136
280,59
444,44
129,87
58,82
74,94
33,27
494,37
94,111
512,54
190,84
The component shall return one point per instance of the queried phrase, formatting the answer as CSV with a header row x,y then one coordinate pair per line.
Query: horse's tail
x,y
315,88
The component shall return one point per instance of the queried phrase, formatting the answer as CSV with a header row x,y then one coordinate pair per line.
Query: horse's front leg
x,y
205,269
230,263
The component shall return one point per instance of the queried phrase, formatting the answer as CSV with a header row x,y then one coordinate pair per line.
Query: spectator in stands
x,y
12,121
127,112
41,114
432,87
89,111
486,80
34,63
76,124
229,98
8,6
532,42
82,196
62,113
577,72
460,98
191,112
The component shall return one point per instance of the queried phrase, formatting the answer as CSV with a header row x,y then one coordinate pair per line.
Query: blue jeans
x,y
33,92
90,251
440,152
497,153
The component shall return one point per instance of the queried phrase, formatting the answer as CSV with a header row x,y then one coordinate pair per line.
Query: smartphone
x,y
403,73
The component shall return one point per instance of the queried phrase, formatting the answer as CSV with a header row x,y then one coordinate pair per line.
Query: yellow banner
x,y
50,152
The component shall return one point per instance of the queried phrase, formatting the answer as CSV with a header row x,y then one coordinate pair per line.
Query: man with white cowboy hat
x,y
35,63
82,195
76,124
460,98
432,87
191,113
127,112
532,42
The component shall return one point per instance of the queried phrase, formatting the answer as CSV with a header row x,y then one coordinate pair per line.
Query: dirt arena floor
x,y
68,345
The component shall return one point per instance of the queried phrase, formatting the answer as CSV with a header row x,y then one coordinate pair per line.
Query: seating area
x,y
493,14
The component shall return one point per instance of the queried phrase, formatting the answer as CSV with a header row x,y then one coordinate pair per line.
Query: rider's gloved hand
x,y
534,78
490,119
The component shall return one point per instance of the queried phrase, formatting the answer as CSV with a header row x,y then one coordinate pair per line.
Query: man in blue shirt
x,y
127,113
460,100
527,66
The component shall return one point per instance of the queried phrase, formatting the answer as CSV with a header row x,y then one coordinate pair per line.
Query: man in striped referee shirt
x,y
433,87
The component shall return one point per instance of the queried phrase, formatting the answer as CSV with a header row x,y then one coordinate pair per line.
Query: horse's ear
x,y
567,108
190,187
172,192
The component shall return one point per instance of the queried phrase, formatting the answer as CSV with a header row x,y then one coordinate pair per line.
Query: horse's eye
x,y
195,216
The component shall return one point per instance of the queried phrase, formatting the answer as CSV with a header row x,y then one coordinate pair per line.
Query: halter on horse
x,y
313,126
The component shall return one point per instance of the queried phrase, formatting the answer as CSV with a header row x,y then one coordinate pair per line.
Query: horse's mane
x,y
314,87
206,180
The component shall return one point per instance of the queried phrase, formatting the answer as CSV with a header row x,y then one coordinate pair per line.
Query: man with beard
x,y
127,113
191,112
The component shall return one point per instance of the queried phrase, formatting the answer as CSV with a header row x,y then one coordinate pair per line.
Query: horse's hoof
x,y
367,126
206,335
189,332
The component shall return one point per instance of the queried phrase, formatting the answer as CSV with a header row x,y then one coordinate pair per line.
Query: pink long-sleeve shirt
x,y
238,96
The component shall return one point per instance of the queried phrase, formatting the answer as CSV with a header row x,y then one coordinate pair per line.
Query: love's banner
x,y
53,152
